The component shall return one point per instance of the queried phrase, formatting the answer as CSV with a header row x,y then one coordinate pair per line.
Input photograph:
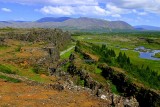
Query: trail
x,y
63,52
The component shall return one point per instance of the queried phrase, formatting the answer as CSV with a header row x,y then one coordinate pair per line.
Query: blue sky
x,y
135,12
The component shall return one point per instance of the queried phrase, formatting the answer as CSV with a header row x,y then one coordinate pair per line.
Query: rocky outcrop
x,y
145,97
41,57
100,90
54,36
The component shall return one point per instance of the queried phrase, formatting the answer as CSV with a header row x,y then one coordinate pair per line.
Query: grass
x,y
2,47
6,69
113,87
98,71
9,79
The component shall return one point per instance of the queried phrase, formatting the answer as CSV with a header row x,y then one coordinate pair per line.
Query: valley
x,y
129,43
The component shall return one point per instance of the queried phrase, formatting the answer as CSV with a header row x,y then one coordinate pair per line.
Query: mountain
x,y
147,27
52,19
73,24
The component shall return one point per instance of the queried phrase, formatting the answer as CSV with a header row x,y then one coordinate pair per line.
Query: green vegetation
x,y
113,87
130,41
98,71
157,55
6,69
38,70
9,79
3,47
80,82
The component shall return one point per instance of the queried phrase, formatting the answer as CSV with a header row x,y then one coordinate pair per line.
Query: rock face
x,y
53,54
145,97
100,90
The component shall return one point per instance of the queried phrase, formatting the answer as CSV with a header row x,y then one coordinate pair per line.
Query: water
x,y
147,53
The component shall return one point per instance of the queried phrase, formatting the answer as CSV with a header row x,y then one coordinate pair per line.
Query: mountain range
x,y
147,27
76,24
71,24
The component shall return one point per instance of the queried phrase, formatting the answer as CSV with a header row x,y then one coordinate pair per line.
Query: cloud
x,y
152,6
139,13
85,10
54,2
6,10
116,15
102,8
82,10
113,9
61,10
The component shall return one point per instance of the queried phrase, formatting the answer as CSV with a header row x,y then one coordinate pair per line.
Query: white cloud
x,y
139,13
116,15
6,10
61,10
116,10
74,10
54,2
83,10
152,6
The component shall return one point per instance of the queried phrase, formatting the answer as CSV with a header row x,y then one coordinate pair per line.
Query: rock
x,y
103,97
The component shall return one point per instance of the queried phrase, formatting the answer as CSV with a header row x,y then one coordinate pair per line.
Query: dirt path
x,y
63,52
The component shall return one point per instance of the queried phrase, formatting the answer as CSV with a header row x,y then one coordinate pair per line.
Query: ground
x,y
23,95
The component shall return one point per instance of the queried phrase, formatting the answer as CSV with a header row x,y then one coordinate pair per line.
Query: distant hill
x,y
53,19
73,24
147,27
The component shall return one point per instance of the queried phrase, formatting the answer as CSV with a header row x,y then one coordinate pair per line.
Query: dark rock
x,y
145,97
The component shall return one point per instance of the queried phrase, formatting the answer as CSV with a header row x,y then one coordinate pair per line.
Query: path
x,y
63,52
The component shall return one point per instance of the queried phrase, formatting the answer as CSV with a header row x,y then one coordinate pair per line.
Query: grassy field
x,y
127,43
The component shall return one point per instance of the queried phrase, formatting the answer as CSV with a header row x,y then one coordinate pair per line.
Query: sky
x,y
134,12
